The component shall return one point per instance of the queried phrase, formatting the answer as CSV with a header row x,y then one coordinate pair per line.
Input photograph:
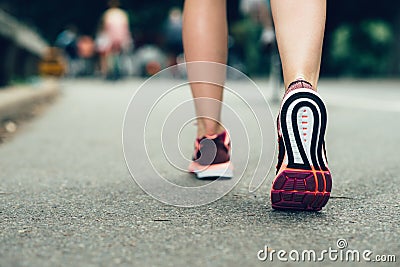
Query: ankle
x,y
299,83
210,131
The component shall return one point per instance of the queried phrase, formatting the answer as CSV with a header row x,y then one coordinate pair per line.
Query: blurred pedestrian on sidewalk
x,y
114,38
67,42
254,33
173,35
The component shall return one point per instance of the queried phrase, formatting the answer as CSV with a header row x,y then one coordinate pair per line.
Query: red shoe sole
x,y
301,190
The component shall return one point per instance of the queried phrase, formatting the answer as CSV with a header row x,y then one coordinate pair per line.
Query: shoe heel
x,y
301,190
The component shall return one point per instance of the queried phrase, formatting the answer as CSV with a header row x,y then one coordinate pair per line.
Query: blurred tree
x,y
362,38
362,50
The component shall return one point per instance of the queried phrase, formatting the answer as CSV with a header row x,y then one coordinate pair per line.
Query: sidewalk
x,y
17,100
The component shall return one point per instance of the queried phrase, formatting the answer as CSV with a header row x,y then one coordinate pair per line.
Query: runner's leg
x,y
299,27
205,35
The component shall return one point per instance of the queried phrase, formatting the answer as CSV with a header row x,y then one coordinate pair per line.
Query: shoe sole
x,y
305,182
224,170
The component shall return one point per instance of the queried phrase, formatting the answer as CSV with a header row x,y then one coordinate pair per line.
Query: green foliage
x,y
362,49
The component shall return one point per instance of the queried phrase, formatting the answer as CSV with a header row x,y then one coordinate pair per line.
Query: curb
x,y
17,100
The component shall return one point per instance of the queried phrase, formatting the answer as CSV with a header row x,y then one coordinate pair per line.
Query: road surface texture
x,y
67,198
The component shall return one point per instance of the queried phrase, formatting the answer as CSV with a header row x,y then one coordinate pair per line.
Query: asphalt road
x,y
67,198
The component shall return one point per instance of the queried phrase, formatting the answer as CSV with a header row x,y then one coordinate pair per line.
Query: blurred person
x,y
254,33
148,60
260,12
303,180
103,45
173,35
85,46
114,37
67,41
86,51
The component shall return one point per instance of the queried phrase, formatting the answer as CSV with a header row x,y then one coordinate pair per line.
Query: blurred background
x,y
70,38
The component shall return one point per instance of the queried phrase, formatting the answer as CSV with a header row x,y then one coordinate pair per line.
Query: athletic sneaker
x,y
303,180
211,158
